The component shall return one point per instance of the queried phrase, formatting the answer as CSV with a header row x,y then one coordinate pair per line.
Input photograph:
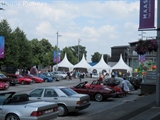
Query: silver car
x,y
18,107
67,99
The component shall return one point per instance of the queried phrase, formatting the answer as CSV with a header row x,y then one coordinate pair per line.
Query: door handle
x,y
0,108
38,98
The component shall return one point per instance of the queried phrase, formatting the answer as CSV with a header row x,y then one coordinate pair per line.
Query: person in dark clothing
x,y
112,81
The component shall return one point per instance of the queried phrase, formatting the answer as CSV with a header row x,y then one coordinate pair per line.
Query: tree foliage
x,y
21,52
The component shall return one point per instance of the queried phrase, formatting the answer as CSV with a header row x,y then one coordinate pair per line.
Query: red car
x,y
4,86
97,93
99,84
21,80
34,78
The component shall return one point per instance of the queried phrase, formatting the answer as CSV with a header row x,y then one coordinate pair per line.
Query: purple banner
x,y
147,8
55,59
141,58
1,47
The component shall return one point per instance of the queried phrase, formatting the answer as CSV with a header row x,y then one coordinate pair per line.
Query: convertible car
x,y
18,107
67,99
99,93
97,83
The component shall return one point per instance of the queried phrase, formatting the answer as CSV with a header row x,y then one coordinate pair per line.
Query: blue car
x,y
45,78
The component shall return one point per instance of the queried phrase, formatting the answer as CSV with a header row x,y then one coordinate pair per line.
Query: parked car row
x,y
13,79
52,101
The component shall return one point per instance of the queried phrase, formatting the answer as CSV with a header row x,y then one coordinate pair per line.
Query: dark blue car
x,y
45,78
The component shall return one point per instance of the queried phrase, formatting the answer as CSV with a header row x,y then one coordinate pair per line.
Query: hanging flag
x,y
141,58
147,9
56,57
1,47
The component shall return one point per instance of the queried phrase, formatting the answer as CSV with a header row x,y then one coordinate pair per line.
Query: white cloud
x,y
100,24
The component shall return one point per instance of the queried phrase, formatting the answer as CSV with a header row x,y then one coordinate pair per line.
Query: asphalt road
x,y
95,107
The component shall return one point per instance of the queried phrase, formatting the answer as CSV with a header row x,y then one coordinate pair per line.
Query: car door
x,y
36,94
50,95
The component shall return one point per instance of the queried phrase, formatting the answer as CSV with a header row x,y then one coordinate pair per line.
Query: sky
x,y
98,25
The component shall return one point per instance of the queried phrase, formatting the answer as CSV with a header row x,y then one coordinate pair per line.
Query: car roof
x,y
59,87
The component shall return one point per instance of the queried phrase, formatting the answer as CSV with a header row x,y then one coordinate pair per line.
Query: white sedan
x,y
67,99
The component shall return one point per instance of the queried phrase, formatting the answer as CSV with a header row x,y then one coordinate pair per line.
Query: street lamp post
x,y
57,51
78,48
158,56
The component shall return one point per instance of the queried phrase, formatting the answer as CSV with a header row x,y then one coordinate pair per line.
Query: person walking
x,y
80,76
125,86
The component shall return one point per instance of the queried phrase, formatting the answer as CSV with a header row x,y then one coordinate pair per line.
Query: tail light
x,y
55,109
79,102
39,113
36,113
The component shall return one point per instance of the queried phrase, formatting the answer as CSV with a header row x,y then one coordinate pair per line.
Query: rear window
x,y
68,91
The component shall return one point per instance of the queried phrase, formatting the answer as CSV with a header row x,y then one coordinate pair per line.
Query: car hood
x,y
3,83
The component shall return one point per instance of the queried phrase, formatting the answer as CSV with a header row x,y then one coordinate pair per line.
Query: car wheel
x,y
45,80
22,82
12,117
98,97
62,110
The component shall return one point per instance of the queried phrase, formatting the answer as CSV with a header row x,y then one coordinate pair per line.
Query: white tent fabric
x,y
122,65
101,65
83,64
65,63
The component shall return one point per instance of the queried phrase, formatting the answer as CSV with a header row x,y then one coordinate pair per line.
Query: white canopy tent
x,y
64,64
121,65
101,65
83,65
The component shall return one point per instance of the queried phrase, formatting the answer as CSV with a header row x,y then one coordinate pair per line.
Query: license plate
x,y
48,111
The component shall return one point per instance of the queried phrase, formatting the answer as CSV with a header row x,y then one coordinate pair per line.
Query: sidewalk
x,y
143,108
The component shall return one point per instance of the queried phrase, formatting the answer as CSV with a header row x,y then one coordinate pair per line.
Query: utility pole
x,y
57,51
158,56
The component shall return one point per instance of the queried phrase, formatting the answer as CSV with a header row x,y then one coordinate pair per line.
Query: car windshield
x,y
20,76
2,76
68,91
3,97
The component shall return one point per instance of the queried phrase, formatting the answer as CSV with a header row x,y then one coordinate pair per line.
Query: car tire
x,y
98,97
22,82
45,80
62,110
12,117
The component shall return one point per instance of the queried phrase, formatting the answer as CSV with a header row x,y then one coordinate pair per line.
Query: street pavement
x,y
143,108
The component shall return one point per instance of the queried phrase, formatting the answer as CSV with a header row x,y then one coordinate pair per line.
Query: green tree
x,y
47,54
37,52
74,50
71,57
96,57
22,48
9,53
106,57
